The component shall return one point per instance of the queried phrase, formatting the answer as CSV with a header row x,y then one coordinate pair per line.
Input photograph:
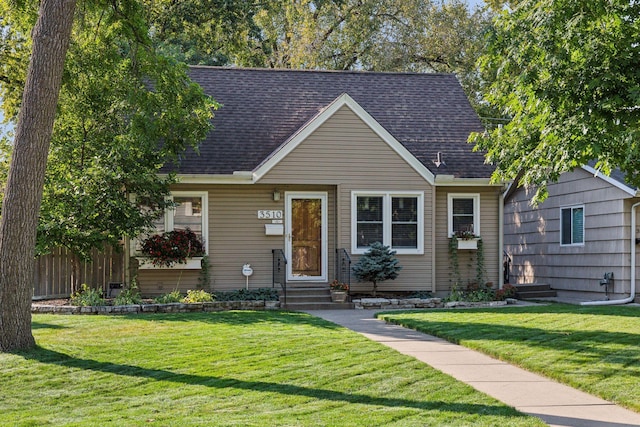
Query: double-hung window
x,y
463,213
190,211
393,219
572,225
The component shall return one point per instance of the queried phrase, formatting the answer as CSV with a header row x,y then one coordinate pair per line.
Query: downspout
x,y
632,296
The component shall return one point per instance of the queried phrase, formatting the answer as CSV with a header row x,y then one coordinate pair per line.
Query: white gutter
x,y
631,297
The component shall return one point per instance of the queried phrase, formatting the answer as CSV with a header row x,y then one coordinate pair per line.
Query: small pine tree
x,y
377,265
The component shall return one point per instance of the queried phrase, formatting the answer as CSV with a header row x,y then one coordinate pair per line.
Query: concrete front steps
x,y
534,290
317,297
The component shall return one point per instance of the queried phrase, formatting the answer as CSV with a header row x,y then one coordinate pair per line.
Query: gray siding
x,y
532,235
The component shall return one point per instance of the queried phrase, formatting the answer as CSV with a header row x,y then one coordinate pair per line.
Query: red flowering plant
x,y
336,285
172,247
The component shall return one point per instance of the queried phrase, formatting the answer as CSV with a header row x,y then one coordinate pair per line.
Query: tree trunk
x,y
23,194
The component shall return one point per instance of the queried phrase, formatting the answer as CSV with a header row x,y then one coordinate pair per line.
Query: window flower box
x,y
468,244
176,249
193,263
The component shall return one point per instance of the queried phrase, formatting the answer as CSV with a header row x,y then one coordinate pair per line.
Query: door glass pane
x,y
306,237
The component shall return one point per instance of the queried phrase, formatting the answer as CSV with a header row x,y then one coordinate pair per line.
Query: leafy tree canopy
x,y
565,73
373,35
124,111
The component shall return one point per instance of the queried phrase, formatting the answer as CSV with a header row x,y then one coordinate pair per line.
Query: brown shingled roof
x,y
262,108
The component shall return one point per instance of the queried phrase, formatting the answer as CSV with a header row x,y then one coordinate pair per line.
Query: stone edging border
x,y
410,303
157,308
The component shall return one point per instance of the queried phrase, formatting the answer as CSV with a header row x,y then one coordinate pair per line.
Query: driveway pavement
x,y
554,403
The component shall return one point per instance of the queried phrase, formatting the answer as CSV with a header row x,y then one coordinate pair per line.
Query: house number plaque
x,y
269,214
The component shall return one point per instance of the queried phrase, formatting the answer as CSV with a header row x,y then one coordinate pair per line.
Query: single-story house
x,y
317,165
584,229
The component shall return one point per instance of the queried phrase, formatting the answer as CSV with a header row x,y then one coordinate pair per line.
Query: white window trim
x,y
476,211
386,220
572,207
168,214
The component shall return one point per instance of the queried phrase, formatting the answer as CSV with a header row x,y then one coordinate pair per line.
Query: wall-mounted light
x,y
276,195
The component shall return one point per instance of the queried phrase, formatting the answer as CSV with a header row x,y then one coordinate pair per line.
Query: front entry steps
x,y
534,290
311,298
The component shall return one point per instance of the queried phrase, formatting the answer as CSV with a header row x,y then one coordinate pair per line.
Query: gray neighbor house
x,y
317,165
587,228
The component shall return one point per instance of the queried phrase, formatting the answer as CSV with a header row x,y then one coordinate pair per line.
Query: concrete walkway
x,y
554,403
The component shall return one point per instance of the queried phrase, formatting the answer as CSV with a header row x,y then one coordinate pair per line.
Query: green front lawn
x,y
227,368
596,349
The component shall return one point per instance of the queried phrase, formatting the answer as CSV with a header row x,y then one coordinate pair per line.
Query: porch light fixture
x,y
276,195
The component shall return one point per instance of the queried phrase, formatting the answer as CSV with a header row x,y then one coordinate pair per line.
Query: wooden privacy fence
x,y
53,272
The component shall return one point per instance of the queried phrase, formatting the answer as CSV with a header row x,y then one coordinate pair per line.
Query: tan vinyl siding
x,y
345,152
532,235
341,157
344,149
236,236
489,231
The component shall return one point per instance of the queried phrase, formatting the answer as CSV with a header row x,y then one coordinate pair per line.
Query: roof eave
x,y
596,173
238,177
450,180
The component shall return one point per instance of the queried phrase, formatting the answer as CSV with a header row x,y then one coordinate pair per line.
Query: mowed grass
x,y
230,369
596,349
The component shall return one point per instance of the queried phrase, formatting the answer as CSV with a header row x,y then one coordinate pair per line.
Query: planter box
x,y
194,263
467,244
338,296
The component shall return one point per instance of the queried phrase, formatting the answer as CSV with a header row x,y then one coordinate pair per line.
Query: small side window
x,y
572,225
464,213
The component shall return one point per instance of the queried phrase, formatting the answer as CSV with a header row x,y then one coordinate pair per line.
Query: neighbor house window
x,y
572,225
463,213
393,219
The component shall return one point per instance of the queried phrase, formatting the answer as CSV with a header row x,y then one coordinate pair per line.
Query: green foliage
x,y
87,296
473,293
204,279
565,73
507,291
376,35
128,296
420,294
172,247
377,265
259,294
198,295
174,296
454,259
124,111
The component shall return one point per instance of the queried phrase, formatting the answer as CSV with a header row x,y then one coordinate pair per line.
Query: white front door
x,y
306,236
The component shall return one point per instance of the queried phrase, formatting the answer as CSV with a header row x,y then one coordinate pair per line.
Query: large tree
x,y
26,175
565,74
124,112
